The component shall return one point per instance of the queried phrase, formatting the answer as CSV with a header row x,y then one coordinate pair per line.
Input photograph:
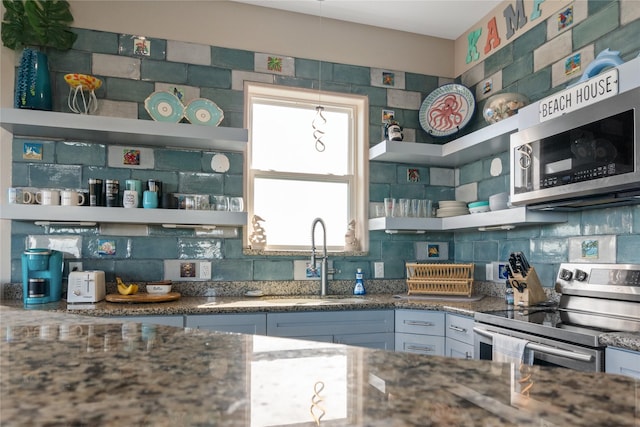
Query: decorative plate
x,y
447,110
201,111
164,107
87,82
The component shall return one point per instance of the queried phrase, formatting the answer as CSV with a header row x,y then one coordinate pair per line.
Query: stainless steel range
x,y
596,298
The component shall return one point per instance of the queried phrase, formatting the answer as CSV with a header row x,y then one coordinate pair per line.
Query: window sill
x,y
266,252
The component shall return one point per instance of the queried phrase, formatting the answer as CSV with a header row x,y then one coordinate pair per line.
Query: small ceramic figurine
x,y
258,237
351,243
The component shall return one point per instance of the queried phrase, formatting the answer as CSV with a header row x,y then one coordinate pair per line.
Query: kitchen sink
x,y
286,301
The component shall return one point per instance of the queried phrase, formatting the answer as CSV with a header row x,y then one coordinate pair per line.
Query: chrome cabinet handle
x,y
420,348
458,328
418,323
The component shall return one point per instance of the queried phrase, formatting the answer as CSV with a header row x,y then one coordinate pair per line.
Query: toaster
x,y
86,286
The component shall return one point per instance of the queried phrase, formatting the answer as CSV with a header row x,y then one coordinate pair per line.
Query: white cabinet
x,y
420,332
622,361
113,130
367,328
459,336
253,323
177,321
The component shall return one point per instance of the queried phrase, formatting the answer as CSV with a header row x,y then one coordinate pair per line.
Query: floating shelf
x,y
492,139
120,131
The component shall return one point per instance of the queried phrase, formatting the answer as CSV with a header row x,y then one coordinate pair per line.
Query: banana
x,y
125,289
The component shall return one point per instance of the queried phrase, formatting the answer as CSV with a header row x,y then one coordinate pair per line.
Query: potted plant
x,y
34,26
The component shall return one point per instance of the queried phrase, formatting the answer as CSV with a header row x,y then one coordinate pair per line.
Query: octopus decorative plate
x,y
164,107
447,110
87,82
202,111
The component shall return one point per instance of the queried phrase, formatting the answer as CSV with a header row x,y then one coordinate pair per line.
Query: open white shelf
x,y
492,139
120,131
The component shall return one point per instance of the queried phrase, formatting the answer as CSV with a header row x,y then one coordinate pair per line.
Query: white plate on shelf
x,y
164,107
202,111
447,109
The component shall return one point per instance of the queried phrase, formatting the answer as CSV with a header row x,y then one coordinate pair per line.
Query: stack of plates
x,y
451,208
478,207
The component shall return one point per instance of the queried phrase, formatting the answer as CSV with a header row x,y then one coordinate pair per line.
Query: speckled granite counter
x,y
64,369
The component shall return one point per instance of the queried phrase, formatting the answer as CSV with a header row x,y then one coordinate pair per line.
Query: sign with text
x,y
589,92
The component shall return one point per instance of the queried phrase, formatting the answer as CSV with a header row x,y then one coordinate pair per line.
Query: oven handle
x,y
545,349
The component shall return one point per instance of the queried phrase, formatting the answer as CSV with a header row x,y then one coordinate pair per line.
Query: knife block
x,y
532,294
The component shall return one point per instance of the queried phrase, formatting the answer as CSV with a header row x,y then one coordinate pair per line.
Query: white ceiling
x,y
447,19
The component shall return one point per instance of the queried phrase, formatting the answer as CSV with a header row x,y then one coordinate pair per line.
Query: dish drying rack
x,y
440,279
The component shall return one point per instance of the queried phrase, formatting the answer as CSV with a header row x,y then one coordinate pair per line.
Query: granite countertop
x,y
63,369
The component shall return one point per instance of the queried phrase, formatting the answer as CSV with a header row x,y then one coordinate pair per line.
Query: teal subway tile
x,y
136,271
178,160
160,231
95,41
628,249
233,119
297,82
346,270
625,40
154,248
377,192
20,175
314,70
163,71
232,270
635,226
607,221
92,247
207,183
232,249
204,76
22,150
549,250
234,59
491,186
69,61
463,251
519,69
485,251
547,274
130,45
228,100
411,120
440,193
382,173
81,153
199,248
536,84
233,185
471,172
352,74
127,90
403,191
273,270
58,176
170,179
596,25
595,6
507,247
529,41
376,95
420,83
524,233
498,60
572,227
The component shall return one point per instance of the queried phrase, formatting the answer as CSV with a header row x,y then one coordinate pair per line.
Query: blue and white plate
x,y
202,111
447,109
164,107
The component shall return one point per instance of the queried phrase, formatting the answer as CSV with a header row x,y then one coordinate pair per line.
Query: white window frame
x,y
360,154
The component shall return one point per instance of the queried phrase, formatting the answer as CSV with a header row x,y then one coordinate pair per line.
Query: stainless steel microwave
x,y
584,159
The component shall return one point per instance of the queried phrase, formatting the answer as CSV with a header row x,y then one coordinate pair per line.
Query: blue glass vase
x,y
33,83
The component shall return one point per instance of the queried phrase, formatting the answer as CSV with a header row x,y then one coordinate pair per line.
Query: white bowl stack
x,y
498,201
448,208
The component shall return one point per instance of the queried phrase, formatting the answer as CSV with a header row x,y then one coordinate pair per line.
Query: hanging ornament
x,y
318,125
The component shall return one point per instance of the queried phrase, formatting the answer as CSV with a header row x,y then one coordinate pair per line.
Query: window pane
x,y
282,140
290,206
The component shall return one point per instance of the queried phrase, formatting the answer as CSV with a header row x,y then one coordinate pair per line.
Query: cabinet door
x,y
154,320
459,328
383,341
422,344
420,322
457,349
623,362
255,324
309,324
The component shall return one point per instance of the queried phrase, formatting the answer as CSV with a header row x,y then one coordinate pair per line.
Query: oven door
x,y
546,352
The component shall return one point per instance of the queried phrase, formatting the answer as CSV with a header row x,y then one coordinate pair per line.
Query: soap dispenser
x,y
358,289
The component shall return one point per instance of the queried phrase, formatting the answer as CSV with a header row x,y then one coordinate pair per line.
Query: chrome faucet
x,y
324,266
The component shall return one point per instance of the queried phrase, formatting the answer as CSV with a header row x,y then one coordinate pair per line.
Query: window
x,y
289,183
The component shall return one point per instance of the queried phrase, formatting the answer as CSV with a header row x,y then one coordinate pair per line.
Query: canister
x,y
112,187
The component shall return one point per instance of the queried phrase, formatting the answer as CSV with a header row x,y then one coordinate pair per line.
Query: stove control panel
x,y
617,281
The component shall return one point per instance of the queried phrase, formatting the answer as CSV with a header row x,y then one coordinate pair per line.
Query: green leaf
x,y
37,23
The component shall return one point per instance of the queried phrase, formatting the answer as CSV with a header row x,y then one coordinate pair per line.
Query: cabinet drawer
x,y
420,322
329,323
457,349
384,341
154,320
421,344
255,324
459,328
623,362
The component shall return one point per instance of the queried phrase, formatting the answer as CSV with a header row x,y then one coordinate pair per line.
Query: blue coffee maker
x,y
41,276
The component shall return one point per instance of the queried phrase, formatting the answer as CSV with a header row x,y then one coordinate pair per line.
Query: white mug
x,y
20,196
71,198
130,199
48,197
